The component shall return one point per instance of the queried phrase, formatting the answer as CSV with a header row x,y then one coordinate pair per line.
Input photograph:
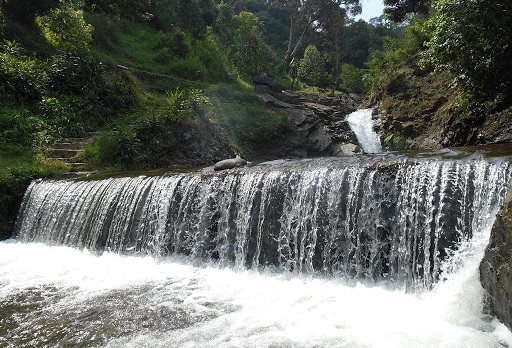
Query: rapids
x,y
365,252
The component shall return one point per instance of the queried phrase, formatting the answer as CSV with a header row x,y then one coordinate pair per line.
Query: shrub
x,y
22,78
74,73
65,28
182,105
20,127
396,141
114,149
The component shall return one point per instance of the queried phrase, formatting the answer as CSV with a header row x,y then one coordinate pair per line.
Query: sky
x,y
371,9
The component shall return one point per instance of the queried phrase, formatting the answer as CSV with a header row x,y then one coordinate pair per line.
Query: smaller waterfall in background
x,y
362,125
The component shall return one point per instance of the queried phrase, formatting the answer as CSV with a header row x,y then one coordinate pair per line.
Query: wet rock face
x,y
497,128
5,230
496,266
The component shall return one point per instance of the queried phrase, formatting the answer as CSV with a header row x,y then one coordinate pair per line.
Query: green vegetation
x,y
396,141
145,72
248,123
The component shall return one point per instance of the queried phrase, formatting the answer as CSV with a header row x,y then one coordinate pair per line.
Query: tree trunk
x,y
288,56
291,52
337,58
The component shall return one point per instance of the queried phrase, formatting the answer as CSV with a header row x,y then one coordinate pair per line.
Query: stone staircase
x,y
67,149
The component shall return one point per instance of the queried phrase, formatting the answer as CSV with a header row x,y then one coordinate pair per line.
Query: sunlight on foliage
x,y
65,28
183,104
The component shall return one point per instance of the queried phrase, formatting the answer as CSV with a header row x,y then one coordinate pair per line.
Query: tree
x,y
133,9
473,40
305,15
311,66
252,55
397,10
333,23
65,28
352,79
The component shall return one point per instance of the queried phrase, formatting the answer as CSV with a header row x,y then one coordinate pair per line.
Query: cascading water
x,y
297,238
362,124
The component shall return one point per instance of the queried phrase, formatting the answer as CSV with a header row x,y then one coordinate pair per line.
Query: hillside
x,y
170,83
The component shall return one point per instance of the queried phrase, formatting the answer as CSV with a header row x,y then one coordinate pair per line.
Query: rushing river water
x,y
56,296
370,251
359,252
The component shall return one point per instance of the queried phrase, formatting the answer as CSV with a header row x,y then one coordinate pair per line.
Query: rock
x,y
230,163
347,149
497,128
263,79
496,266
316,124
271,101
6,230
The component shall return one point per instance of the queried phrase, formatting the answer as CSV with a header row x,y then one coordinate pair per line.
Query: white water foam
x,y
251,309
362,125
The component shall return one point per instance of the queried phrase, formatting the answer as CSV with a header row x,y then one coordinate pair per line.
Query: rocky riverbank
x,y
317,124
428,113
496,267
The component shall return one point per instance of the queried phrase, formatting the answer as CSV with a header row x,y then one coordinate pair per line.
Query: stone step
x,y
67,146
63,154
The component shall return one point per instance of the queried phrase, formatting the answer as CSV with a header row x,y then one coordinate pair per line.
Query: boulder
x,y
264,80
230,163
348,149
496,266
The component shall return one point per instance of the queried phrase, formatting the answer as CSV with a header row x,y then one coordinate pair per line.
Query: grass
x,y
247,122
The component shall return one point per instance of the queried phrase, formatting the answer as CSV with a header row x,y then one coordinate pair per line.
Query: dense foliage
x,y
129,66
398,10
473,40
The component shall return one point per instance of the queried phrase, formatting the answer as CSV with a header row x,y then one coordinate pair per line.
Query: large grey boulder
x,y
230,163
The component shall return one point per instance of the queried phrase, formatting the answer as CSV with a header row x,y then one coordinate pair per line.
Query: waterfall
x,y
391,219
364,251
363,126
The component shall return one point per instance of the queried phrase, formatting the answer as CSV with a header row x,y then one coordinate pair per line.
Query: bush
x,y
65,28
182,105
22,78
20,127
74,73
118,148
396,141
353,79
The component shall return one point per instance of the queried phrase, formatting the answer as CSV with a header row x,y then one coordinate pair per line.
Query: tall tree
x,y
397,10
311,66
251,54
333,23
306,15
